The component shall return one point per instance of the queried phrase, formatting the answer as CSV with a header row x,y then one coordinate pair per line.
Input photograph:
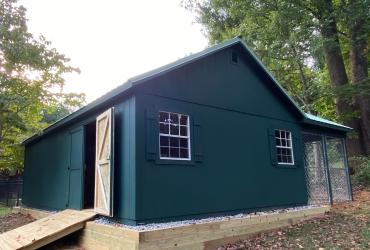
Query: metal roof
x,y
316,120
130,83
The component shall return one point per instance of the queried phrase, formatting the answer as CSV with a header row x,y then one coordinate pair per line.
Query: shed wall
x,y
236,173
216,81
45,184
46,173
236,106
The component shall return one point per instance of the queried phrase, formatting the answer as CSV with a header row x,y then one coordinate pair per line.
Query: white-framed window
x,y
284,147
174,136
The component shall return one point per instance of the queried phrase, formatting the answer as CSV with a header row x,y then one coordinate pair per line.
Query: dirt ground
x,y
346,226
14,220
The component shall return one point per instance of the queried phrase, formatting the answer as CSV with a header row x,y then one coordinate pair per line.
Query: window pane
x,y
164,128
164,141
183,131
279,158
279,151
174,142
163,117
284,149
174,152
290,159
174,130
184,153
183,143
173,127
184,120
174,118
288,151
283,159
165,152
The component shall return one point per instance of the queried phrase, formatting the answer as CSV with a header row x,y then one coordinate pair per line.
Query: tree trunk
x,y
359,70
337,72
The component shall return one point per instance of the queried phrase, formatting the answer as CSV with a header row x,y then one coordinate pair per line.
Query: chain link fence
x,y
338,171
315,169
326,169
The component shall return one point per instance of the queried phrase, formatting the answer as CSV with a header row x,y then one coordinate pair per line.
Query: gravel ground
x,y
154,226
14,220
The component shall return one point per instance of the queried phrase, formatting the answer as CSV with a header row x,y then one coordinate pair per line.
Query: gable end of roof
x,y
132,82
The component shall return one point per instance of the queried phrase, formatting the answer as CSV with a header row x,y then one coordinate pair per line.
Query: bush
x,y
361,170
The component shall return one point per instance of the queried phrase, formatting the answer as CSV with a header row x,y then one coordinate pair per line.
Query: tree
x,y
324,11
301,43
357,19
31,81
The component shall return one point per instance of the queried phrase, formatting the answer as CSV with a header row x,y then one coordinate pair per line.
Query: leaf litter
x,y
346,226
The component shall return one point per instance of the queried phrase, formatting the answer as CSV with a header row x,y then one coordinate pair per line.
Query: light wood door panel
x,y
103,201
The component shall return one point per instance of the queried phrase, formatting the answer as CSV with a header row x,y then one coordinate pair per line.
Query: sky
x,y
113,40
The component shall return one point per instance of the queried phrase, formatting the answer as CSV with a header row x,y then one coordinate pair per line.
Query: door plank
x,y
103,169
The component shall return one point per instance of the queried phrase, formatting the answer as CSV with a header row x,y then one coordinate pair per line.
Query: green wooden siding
x,y
125,162
53,164
46,172
235,172
216,82
232,108
75,167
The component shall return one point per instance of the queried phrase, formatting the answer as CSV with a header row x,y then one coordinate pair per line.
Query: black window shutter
x,y
151,134
272,144
197,141
297,150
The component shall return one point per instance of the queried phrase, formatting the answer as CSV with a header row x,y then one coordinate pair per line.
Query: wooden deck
x,y
46,230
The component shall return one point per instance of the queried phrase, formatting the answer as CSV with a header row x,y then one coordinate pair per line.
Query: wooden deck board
x,y
45,230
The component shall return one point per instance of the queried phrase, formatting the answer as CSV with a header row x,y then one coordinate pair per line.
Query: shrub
x,y
361,170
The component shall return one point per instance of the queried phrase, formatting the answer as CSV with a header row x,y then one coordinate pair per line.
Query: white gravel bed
x,y
154,226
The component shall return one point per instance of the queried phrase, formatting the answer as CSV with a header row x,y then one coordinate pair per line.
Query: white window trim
x,y
291,147
176,136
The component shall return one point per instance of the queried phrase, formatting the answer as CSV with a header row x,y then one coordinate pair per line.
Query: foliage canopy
x,y
31,84
317,49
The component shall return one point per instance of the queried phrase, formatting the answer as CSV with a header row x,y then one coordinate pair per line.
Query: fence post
x,y
346,163
326,163
17,201
7,194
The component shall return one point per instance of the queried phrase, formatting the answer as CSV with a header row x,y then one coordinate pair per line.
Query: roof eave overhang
x,y
327,125
82,111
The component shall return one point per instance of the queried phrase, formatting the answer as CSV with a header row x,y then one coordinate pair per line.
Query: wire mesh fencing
x,y
10,195
315,169
326,169
338,171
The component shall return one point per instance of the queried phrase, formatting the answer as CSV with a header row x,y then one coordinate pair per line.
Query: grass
x,y
4,210
347,226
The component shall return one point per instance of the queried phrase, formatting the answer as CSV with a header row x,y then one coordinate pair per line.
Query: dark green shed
x,y
212,133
